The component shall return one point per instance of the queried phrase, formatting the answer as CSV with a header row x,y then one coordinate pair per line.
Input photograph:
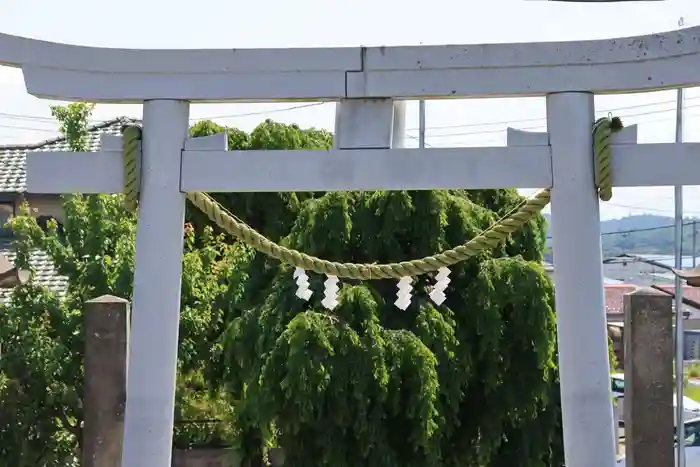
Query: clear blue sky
x,y
310,23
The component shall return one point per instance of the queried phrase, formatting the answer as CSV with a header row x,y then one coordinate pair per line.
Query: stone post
x,y
276,457
106,346
649,427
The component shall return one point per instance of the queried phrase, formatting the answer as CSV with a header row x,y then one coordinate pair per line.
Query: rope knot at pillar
x,y
602,133
603,130
131,154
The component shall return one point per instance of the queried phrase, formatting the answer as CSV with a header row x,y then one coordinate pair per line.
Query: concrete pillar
x,y
648,379
106,346
387,130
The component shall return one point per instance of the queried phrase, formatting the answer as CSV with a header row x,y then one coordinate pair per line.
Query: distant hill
x,y
645,233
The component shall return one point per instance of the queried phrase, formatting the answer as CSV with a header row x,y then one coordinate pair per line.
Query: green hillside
x,y
645,233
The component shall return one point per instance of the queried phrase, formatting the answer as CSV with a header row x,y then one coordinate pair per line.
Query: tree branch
x,y
74,429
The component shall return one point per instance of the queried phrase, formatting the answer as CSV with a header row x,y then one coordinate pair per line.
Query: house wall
x,y
44,205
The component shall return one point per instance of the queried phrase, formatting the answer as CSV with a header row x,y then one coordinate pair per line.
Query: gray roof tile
x,y
13,160
46,273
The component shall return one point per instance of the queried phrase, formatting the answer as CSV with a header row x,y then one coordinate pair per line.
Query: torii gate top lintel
x,y
632,64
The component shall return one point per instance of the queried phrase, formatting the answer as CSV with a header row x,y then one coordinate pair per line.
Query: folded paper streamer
x,y
403,296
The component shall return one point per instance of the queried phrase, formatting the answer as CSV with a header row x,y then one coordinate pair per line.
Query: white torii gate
x,y
369,83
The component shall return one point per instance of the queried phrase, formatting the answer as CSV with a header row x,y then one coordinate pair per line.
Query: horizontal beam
x,y
75,172
607,78
631,64
515,137
20,52
636,165
94,172
215,142
660,164
366,169
134,88
304,170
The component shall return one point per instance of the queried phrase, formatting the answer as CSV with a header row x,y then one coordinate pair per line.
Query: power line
x,y
37,118
418,139
12,116
539,119
251,114
645,229
646,209
500,130
444,135
25,128
25,117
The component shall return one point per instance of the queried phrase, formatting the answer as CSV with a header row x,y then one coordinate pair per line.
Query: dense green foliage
x,y
270,213
41,366
468,383
367,384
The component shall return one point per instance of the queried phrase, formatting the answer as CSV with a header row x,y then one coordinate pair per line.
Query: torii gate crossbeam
x,y
368,82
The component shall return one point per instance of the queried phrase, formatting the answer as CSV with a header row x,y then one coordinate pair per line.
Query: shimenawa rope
x,y
603,129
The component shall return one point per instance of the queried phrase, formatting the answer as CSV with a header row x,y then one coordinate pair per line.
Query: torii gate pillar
x,y
157,279
579,295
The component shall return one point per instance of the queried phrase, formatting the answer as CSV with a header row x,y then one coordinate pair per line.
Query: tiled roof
x,y
46,274
13,160
614,295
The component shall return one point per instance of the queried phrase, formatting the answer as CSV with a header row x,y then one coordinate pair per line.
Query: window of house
x,y
618,385
43,222
692,434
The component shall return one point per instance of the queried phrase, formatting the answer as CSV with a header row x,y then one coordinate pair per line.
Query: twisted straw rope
x,y
490,238
131,152
603,130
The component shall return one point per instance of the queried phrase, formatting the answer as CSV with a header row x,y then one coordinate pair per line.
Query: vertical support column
x,y
648,379
370,124
157,279
581,323
398,130
106,347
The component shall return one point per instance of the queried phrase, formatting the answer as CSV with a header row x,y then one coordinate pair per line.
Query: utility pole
x,y
678,286
421,124
678,201
695,234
